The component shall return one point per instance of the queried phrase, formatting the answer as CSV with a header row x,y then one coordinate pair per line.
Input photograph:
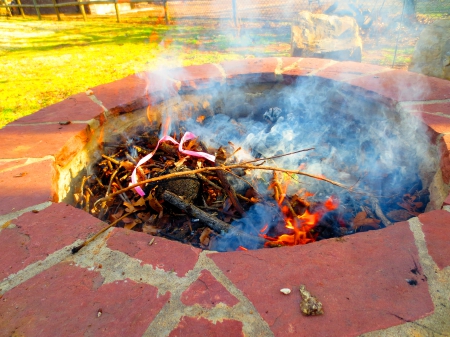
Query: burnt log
x,y
209,220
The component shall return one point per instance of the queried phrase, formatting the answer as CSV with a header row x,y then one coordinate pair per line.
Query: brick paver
x,y
368,281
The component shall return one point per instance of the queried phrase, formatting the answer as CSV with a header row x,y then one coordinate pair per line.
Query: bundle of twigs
x,y
188,199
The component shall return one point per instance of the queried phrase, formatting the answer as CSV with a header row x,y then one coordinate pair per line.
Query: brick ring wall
x,y
34,150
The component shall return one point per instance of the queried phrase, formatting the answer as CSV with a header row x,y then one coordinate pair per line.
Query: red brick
x,y
196,77
38,235
444,150
163,254
361,283
447,201
405,86
36,141
65,301
251,70
436,227
8,164
345,71
75,108
289,61
201,327
133,92
305,66
443,108
26,186
314,63
207,292
436,124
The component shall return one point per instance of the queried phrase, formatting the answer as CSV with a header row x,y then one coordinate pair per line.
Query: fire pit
x,y
313,159
365,282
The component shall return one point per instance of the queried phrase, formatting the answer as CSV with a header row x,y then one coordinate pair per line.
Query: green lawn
x,y
43,62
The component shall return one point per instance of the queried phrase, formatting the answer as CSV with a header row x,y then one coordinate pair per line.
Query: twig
x,y
206,180
379,212
112,160
207,219
278,156
77,248
229,190
221,168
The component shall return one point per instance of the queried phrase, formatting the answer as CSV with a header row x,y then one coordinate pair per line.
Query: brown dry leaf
x,y
407,206
361,219
144,216
180,162
114,217
153,202
129,207
399,215
128,165
127,220
139,202
204,237
150,229
418,204
130,225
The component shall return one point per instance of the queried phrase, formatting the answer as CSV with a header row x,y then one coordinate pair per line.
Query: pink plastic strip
x,y
187,136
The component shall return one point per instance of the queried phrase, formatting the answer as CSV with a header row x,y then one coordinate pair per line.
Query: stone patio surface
x,y
391,282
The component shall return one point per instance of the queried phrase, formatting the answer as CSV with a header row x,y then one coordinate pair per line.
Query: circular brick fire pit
x,y
120,285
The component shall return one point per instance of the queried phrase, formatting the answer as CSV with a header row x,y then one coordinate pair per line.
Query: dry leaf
x,y
399,215
153,202
139,202
130,225
204,237
361,219
115,216
129,207
128,165
127,220
144,216
150,229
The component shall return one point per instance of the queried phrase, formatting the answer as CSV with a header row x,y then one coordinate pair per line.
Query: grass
x,y
44,62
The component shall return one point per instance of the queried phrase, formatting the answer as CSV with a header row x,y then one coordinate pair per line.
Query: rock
x,y
432,53
326,36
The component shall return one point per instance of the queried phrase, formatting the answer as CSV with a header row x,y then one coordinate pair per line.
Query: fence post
x,y
116,6
81,7
38,11
166,12
235,20
8,10
21,9
56,10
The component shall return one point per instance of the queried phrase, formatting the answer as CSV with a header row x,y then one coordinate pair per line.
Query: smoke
x,y
358,140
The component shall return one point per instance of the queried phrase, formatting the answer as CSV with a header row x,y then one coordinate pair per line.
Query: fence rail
x,y
235,10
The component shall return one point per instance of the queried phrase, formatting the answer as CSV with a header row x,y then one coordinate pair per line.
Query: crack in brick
x,y
36,268
27,162
10,216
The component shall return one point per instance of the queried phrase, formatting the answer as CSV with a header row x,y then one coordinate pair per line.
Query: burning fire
x,y
300,227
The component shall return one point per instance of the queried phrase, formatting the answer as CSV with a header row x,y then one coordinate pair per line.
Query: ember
x,y
217,191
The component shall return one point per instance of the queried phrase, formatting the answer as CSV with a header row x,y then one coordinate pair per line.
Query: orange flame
x,y
299,227
166,125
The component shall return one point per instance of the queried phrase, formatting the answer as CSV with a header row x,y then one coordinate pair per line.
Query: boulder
x,y
326,36
432,53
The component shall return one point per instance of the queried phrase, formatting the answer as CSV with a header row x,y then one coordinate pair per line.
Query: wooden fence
x,y
80,4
